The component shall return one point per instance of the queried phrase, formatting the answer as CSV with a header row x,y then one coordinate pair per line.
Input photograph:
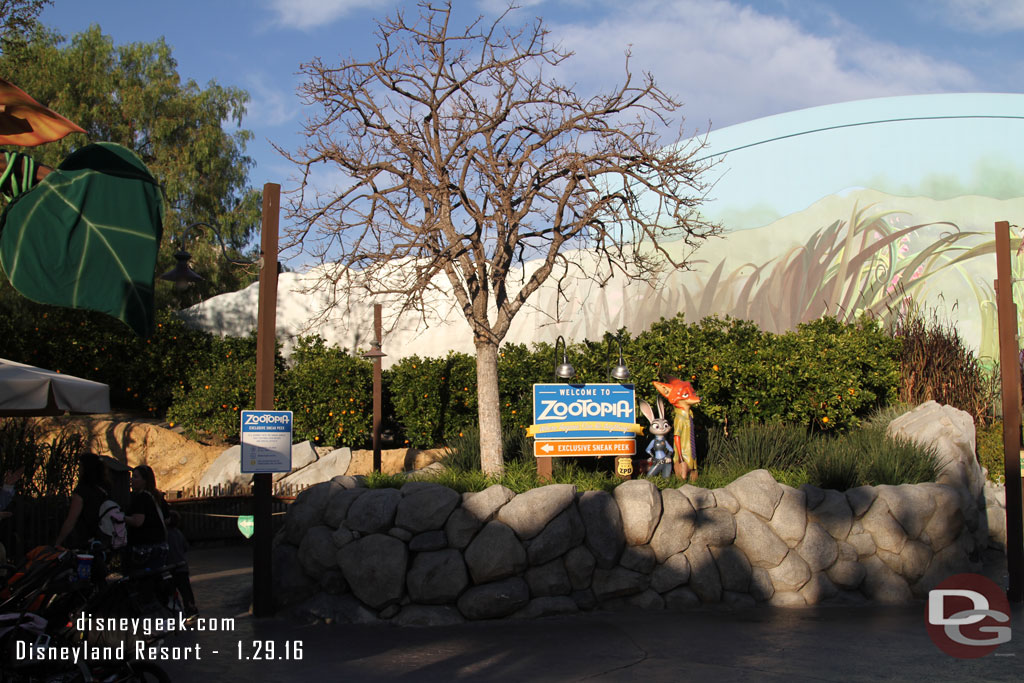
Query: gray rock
x,y
337,507
814,495
332,581
645,601
714,527
605,537
318,495
947,521
639,504
342,537
425,506
423,615
863,543
787,599
317,552
548,606
291,585
818,549
494,600
681,599
427,541
756,539
761,587
846,574
833,513
347,481
676,526
579,566
698,497
910,505
673,572
494,554
704,579
790,518
758,492
399,533
951,433
726,500
733,568
461,527
818,589
584,599
374,567
484,505
618,582
437,577
298,520
343,609
861,498
945,563
528,513
374,511
914,560
226,470
548,580
886,531
388,612
791,574
332,465
882,584
639,558
847,551
563,532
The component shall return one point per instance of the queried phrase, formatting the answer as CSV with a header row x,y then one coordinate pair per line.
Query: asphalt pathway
x,y
862,643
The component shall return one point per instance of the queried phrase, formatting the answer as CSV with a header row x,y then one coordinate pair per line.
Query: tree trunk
x,y
492,460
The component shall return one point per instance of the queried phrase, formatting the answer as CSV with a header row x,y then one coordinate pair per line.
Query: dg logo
x,y
968,616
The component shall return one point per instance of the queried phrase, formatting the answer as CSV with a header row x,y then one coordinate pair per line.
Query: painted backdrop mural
x,y
838,209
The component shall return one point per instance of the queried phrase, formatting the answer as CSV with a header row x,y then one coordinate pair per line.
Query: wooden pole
x,y
266,346
377,388
1009,362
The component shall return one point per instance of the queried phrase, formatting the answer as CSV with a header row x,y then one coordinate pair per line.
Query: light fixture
x,y
619,372
181,275
563,370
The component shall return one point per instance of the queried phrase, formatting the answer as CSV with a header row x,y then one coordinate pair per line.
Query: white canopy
x,y
26,390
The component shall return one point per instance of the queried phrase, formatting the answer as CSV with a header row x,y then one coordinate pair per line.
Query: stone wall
x,y
425,554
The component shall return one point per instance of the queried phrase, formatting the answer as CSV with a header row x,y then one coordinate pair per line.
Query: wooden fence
x,y
207,514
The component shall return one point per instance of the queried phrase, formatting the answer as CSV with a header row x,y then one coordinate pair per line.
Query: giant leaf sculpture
x,y
87,236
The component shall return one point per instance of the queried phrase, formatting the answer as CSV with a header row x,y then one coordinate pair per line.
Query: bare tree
x,y
464,158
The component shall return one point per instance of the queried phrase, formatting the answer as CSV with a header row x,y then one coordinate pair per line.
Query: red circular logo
x,y
968,616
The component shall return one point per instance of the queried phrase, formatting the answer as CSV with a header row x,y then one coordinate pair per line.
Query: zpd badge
x,y
624,466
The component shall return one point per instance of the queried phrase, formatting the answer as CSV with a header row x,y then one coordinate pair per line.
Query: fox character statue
x,y
682,397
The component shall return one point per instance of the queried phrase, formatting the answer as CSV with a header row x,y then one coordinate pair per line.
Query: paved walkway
x,y
820,644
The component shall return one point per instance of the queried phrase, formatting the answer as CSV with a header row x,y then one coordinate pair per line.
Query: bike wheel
x,y
144,672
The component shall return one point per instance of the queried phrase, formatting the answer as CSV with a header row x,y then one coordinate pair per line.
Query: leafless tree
x,y
463,158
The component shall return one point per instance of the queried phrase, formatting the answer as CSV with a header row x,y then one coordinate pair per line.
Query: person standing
x,y
82,521
147,531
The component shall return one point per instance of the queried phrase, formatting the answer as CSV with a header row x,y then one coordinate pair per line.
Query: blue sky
x,y
729,61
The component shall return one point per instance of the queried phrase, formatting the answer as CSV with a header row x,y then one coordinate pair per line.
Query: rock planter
x,y
424,555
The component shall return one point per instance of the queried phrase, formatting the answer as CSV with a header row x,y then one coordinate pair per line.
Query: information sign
x,y
266,441
584,419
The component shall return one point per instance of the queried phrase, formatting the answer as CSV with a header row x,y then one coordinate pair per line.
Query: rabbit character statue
x,y
659,448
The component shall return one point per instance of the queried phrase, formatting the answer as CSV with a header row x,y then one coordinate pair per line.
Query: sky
x,y
728,61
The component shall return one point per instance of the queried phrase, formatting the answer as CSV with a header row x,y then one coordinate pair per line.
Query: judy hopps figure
x,y
659,448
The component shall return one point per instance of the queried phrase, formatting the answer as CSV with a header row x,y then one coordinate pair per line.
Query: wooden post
x,y
377,388
266,346
1009,362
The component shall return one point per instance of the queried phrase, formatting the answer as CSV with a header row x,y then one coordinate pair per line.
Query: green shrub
x,y
755,447
833,464
990,451
330,393
434,399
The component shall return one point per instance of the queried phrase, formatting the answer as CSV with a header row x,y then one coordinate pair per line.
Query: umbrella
x,y
25,122
27,391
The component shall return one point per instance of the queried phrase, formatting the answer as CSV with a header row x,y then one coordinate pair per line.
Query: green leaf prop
x,y
87,236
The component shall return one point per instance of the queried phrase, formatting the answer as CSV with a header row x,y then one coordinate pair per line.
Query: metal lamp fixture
x,y
182,275
619,372
563,370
